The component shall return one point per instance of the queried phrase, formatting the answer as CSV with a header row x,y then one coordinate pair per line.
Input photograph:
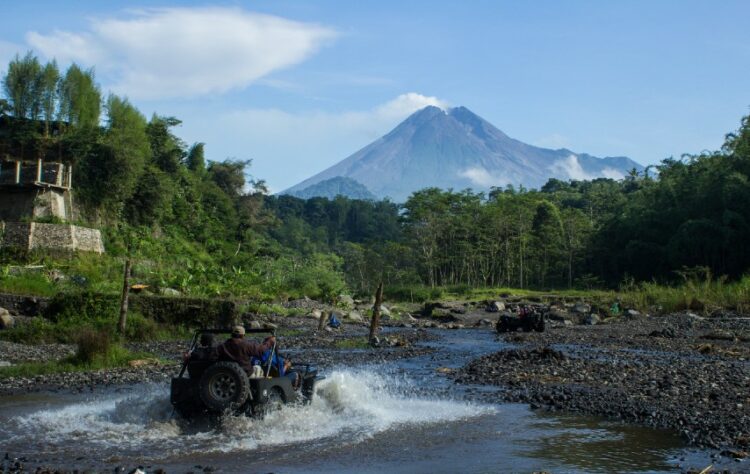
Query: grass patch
x,y
83,361
67,329
352,343
267,308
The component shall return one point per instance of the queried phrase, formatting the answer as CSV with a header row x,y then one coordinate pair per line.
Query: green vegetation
x,y
352,343
95,352
205,228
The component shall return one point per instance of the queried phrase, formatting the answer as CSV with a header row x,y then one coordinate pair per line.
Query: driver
x,y
241,350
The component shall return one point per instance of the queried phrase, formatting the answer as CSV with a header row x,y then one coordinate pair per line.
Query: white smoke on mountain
x,y
571,168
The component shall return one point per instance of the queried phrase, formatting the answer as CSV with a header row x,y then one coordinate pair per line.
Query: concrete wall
x,y
26,203
34,235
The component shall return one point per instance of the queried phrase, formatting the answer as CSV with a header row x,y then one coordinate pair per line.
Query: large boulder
x,y
581,308
346,301
315,314
557,315
355,316
6,320
495,306
591,319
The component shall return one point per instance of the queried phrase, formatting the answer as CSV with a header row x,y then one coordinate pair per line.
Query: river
x,y
403,417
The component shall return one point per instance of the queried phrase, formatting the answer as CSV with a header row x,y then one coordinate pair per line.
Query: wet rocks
x,y
647,371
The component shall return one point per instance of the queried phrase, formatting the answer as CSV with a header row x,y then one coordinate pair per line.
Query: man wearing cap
x,y
240,350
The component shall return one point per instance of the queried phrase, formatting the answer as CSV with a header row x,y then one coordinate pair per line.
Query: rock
x,y
631,314
591,319
581,308
355,316
328,329
5,363
56,275
411,318
667,333
384,311
557,315
143,362
345,301
6,320
255,325
316,314
719,335
270,326
483,322
497,306
169,292
568,322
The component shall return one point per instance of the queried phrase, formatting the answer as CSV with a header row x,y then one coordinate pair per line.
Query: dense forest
x,y
206,226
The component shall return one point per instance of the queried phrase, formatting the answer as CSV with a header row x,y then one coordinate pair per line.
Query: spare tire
x,y
224,385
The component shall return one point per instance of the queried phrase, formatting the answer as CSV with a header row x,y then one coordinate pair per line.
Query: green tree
x,y
80,98
21,86
50,78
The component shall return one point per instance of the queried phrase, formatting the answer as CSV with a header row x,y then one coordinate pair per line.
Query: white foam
x,y
351,404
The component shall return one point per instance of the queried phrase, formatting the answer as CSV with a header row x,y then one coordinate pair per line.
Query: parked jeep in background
x,y
527,319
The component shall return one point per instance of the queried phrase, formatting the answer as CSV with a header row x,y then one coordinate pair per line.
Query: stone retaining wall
x,y
35,235
191,312
24,305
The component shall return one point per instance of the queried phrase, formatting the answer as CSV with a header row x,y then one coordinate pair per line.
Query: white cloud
x,y
185,52
408,103
571,168
481,177
306,142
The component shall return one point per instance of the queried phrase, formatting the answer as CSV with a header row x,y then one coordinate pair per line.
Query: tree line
x,y
135,172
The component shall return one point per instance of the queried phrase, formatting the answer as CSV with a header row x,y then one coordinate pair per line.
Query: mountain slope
x,y
330,188
458,149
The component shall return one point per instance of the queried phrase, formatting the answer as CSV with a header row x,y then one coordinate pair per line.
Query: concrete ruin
x,y
36,207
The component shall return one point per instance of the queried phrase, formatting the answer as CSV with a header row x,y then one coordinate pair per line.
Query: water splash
x,y
350,404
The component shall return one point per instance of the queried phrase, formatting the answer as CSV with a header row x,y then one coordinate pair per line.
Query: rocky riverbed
x,y
302,342
682,372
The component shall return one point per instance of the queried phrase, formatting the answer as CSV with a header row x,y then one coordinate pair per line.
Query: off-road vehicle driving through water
x,y
213,387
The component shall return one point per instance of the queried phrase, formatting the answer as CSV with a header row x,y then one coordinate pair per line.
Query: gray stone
x,y
6,320
346,301
581,308
631,313
355,316
497,306
316,314
169,292
5,363
591,319
384,310
270,326
557,315
568,322
255,325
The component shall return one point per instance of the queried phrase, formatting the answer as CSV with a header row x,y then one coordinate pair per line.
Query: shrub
x,y
91,345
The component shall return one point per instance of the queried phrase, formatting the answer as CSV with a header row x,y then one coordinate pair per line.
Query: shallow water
x,y
400,418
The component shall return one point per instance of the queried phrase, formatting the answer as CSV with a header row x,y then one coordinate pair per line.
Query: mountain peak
x,y
458,149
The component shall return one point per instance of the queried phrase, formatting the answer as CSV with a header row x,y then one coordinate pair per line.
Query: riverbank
x,y
682,372
299,339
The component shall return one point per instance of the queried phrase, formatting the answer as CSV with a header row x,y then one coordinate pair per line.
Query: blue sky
x,y
299,85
